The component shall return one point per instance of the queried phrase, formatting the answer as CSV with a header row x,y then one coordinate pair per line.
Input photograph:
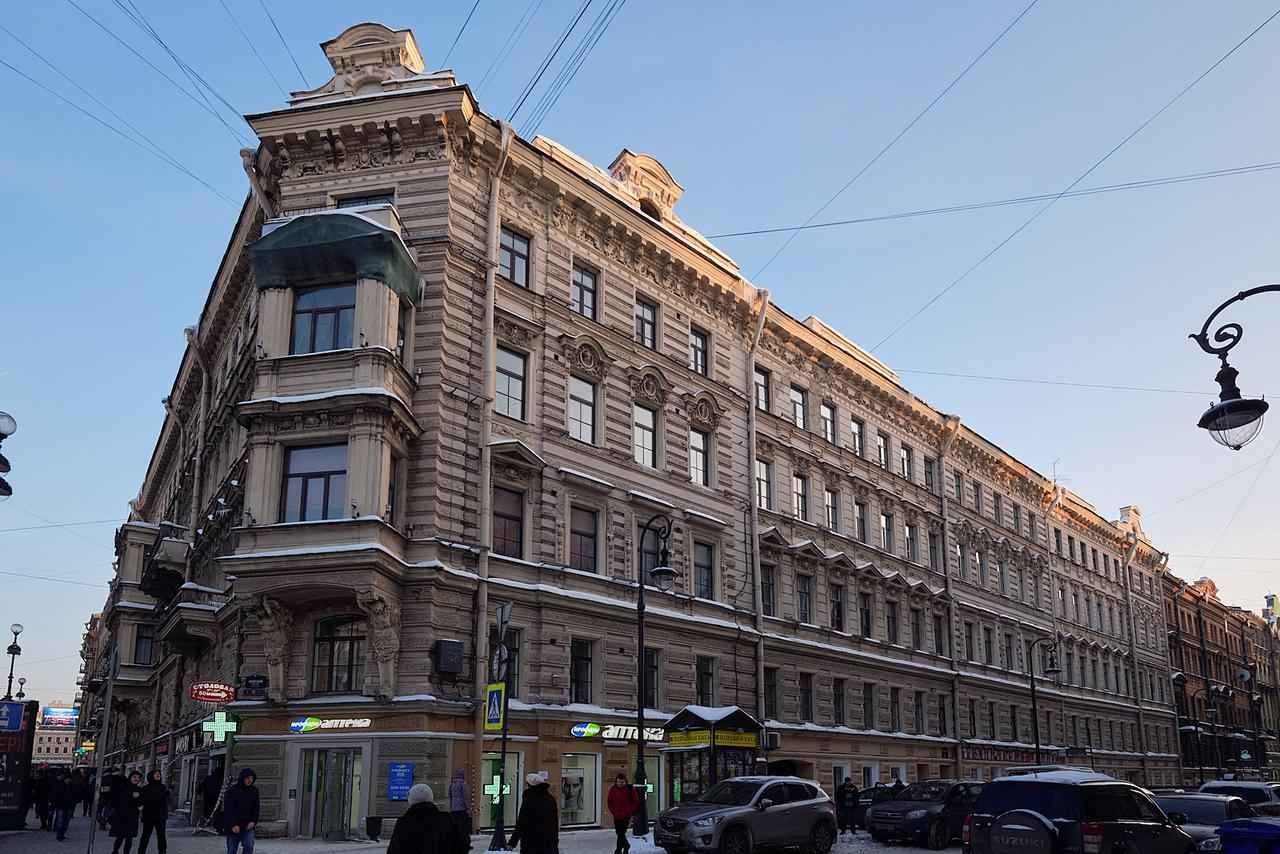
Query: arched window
x,y
338,654
649,209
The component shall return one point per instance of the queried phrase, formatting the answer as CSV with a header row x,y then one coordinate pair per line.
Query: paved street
x,y
181,842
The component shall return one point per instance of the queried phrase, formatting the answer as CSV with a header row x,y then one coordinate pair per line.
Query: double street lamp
x,y
1213,691
14,651
1051,670
664,579
1234,420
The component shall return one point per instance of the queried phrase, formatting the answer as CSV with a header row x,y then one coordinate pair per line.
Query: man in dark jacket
x,y
424,829
847,806
209,789
538,824
40,791
155,812
126,802
63,800
240,812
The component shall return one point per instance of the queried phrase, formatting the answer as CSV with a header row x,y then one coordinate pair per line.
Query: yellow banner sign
x,y
702,738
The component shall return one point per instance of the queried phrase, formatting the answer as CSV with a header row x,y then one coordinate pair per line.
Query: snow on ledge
x,y
326,395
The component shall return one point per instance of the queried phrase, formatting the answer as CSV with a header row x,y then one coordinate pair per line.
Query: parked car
x,y
746,814
1263,797
1070,812
869,797
929,812
1204,814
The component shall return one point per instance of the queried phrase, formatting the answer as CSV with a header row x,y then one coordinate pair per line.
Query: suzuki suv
x,y
1070,812
745,814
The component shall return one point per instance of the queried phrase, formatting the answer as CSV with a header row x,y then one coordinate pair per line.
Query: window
x,y
644,436
918,717
583,524
827,413
650,551
1032,533
799,407
582,410
1002,569
144,642
700,457
939,636
895,710
771,693
913,544
699,351
652,677
768,595
582,292
764,484
704,570
973,718
323,319
646,324
509,393
886,532
706,680
988,645
837,702
977,497
1013,722
962,561
804,598
1017,519
337,661
806,697
891,621
393,489
959,480
970,653
762,389
315,483
869,705
882,451
382,198
1071,549
864,613
831,508
513,657
580,670
513,258
930,474
935,552
908,462
942,715
856,431
980,564
1010,661
836,592
860,519
508,522
991,719
800,496
917,629
997,507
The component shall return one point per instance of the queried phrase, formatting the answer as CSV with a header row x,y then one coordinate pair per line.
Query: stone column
x,y
276,623
383,612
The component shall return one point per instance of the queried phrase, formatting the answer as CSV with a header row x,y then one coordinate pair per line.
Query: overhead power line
x,y
546,61
287,49
1050,203
900,135
1228,557
462,30
1207,487
1202,392
1016,200
24,575
33,514
1244,499
574,65
249,42
60,525
513,38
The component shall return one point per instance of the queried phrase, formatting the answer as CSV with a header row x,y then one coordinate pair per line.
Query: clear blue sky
x,y
761,110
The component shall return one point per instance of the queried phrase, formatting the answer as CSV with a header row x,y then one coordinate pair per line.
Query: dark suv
x,y
930,811
1070,812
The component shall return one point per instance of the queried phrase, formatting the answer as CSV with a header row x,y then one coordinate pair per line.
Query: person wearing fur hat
x,y
537,828
424,829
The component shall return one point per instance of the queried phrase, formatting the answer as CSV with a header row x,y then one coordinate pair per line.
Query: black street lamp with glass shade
x,y
22,684
1050,671
14,651
7,428
664,579
1235,420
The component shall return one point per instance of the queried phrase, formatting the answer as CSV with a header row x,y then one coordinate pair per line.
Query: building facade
x,y
442,368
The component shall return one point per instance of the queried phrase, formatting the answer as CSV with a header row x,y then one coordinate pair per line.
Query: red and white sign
x,y
211,692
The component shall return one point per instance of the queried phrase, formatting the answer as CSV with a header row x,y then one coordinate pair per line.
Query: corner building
x,y
442,367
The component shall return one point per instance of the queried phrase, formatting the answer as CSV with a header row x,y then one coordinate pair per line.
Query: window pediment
x,y
585,356
650,387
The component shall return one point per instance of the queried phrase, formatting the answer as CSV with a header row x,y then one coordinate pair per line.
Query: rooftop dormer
x,y
370,59
649,181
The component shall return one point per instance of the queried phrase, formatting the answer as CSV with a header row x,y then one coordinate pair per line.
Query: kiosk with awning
x,y
707,744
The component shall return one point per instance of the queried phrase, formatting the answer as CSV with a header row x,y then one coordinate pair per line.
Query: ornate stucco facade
x,y
442,367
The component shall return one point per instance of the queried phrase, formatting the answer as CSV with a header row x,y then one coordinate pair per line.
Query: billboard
x,y
58,716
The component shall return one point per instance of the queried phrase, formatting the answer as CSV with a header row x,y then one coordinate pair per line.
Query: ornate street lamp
x,y
1234,420
664,579
22,684
14,651
1050,671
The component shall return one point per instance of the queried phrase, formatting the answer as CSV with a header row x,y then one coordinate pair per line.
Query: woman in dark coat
x,y
126,800
424,829
155,812
537,828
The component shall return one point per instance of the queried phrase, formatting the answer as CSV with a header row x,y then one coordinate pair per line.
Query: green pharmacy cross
x,y
492,788
220,726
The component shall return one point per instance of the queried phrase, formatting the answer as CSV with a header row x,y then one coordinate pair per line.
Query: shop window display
x,y
579,789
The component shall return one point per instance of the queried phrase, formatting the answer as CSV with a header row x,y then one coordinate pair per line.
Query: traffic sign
x,y
495,706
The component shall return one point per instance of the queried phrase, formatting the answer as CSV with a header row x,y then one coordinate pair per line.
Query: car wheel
x,y
735,841
939,835
821,839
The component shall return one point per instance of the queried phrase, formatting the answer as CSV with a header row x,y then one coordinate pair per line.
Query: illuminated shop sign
x,y
702,738
588,729
312,724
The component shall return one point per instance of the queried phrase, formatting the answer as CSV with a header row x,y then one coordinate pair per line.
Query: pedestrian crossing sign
x,y
495,706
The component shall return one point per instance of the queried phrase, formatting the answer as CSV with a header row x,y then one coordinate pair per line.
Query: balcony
x,y
190,623
165,566
383,213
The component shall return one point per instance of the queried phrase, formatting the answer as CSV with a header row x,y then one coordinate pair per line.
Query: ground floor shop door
x,y
330,795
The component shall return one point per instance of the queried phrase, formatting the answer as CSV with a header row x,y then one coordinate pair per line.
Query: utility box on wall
x,y
449,656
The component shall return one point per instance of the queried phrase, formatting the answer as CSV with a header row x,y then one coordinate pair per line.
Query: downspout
x,y
259,192
1132,538
1054,503
488,359
1162,563
952,426
197,484
753,519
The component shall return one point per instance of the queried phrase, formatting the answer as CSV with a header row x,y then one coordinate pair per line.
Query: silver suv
x,y
745,814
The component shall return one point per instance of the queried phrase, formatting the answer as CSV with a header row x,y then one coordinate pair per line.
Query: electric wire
x,y
547,60
1227,557
287,49
60,525
1207,487
513,38
1017,200
445,64
565,69
28,577
32,513
901,134
574,65
1052,382
1243,500
249,42
1013,234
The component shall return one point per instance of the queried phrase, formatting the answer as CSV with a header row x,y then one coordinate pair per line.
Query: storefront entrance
x,y
331,779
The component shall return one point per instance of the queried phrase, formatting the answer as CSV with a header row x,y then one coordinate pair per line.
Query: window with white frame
x,y
645,436
509,390
700,457
582,410
582,292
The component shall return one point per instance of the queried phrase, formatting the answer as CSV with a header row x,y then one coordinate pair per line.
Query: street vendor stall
x,y
708,744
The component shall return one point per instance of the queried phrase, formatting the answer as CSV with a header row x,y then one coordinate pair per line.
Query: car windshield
x,y
924,792
1197,810
730,793
1051,801
1251,794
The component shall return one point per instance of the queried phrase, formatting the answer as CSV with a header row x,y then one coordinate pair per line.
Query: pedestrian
x,y
208,790
40,792
88,781
424,829
623,802
105,798
460,802
155,812
66,795
240,812
126,802
847,806
538,823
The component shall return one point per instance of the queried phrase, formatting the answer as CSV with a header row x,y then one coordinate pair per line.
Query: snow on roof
x,y
581,475
698,514
712,714
326,395
191,585
1060,777
129,603
585,709
652,499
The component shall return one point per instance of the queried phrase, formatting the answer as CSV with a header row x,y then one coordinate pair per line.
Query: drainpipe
x,y
197,483
753,519
1132,538
952,426
259,192
1162,564
1054,503
486,474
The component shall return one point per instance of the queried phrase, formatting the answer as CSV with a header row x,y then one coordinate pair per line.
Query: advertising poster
x,y
17,731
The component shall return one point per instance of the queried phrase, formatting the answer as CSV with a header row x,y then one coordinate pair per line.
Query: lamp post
x,y
1051,670
664,578
22,684
14,651
1234,420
